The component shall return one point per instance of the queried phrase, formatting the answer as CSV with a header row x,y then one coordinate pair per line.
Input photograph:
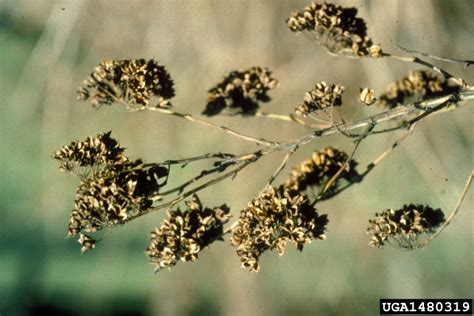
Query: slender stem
x,y
453,213
185,161
432,106
280,117
183,186
344,166
186,194
465,62
300,121
419,61
189,117
383,155
282,165
374,163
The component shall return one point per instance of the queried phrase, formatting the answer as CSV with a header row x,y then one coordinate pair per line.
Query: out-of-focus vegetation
x,y
48,47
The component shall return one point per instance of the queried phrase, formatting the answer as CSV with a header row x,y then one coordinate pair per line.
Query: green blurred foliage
x,y
48,47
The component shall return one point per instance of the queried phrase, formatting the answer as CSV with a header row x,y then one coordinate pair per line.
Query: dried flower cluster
x,y
416,86
336,28
240,92
274,217
112,189
185,233
322,96
130,81
94,151
404,226
319,169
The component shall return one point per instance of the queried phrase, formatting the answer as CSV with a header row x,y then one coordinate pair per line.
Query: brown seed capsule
x,y
367,96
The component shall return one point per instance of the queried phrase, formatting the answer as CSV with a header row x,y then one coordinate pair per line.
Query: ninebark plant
x,y
115,189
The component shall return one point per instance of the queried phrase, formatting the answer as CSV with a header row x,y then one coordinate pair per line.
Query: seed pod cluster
x,y
113,188
271,220
322,96
240,92
404,227
319,169
416,86
133,82
185,233
94,151
336,28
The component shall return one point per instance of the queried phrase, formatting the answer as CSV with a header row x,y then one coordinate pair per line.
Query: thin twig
x,y
345,165
453,213
422,62
383,155
189,117
432,106
201,175
186,194
185,161
280,117
374,163
465,62
300,121
282,165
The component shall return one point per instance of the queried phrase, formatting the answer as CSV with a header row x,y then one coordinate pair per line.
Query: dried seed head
x,y
114,195
404,227
274,217
185,233
367,96
133,82
240,92
99,150
113,188
319,169
321,97
416,86
336,28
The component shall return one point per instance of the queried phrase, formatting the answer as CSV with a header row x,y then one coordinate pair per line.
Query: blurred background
x,y
47,48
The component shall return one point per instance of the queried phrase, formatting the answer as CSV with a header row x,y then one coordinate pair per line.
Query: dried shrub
x,y
114,189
